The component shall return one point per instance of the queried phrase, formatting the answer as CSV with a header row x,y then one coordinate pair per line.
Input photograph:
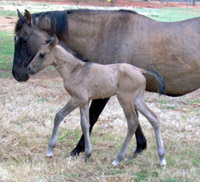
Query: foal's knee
x,y
132,126
85,126
59,117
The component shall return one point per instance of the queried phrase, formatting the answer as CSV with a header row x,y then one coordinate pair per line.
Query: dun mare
x,y
87,81
171,49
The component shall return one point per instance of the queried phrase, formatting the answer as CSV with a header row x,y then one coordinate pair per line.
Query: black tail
x,y
160,79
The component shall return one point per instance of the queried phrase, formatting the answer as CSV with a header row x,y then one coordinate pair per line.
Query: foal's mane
x,y
79,56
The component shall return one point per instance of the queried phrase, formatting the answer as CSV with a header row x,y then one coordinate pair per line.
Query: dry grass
x,y
26,119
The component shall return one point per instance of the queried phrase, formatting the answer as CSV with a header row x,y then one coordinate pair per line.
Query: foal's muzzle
x,y
31,70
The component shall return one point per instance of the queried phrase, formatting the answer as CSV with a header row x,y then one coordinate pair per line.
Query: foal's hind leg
x,y
85,125
152,118
140,139
69,107
132,123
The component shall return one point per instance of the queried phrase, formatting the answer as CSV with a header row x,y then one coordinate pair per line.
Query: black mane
x,y
58,19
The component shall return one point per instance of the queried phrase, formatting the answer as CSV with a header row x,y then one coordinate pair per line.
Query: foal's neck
x,y
66,63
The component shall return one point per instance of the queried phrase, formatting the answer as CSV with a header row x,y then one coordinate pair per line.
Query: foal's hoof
x,y
115,163
49,154
85,158
163,163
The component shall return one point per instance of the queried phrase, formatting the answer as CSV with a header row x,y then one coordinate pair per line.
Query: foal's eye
x,y
42,55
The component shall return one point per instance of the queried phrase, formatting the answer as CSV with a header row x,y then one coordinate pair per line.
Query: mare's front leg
x,y
96,108
69,107
85,125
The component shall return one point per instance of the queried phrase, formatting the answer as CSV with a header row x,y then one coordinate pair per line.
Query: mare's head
x,y
27,41
44,56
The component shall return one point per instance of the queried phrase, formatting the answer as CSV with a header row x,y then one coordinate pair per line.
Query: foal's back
x,y
108,80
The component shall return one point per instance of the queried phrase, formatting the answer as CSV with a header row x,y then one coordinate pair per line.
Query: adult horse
x,y
172,49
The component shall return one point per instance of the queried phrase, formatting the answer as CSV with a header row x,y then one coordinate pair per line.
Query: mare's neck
x,y
66,64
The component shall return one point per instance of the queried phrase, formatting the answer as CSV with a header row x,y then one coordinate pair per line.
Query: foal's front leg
x,y
69,107
85,125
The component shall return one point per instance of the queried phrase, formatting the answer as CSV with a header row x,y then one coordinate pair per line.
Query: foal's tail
x,y
159,78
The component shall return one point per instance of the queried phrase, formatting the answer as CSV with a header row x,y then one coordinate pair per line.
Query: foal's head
x,y
44,56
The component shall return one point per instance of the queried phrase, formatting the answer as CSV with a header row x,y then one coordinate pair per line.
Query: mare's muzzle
x,y
20,74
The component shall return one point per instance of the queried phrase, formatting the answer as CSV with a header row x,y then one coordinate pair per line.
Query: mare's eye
x,y
42,55
23,40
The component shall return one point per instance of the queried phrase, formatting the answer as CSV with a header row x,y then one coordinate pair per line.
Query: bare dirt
x,y
7,23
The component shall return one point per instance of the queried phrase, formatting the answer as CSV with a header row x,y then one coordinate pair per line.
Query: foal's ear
x,y
53,41
19,14
27,15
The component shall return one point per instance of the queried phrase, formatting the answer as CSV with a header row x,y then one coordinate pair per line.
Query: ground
x,y
26,120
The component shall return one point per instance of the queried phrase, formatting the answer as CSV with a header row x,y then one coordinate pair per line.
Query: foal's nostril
x,y
30,70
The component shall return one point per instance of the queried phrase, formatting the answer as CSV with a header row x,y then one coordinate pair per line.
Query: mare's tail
x,y
159,78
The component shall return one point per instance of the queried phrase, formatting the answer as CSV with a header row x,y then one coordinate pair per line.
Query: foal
x,y
87,81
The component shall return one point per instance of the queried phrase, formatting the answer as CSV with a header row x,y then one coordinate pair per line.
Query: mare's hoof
x,y
135,155
139,149
77,150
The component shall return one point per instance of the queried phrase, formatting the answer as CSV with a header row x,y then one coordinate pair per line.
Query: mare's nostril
x,y
29,69
16,76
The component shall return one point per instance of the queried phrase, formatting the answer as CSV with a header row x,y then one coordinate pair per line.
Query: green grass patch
x,y
8,13
6,53
140,176
169,14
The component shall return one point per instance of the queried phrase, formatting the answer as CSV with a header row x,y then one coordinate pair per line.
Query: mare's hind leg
x,y
152,118
132,123
69,107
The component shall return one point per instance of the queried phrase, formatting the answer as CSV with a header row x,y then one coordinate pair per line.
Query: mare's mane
x,y
58,19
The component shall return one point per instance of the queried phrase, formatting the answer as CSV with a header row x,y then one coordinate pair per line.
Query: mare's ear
x,y
27,15
53,41
19,14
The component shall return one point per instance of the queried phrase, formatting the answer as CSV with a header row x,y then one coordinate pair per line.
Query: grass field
x,y
26,119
